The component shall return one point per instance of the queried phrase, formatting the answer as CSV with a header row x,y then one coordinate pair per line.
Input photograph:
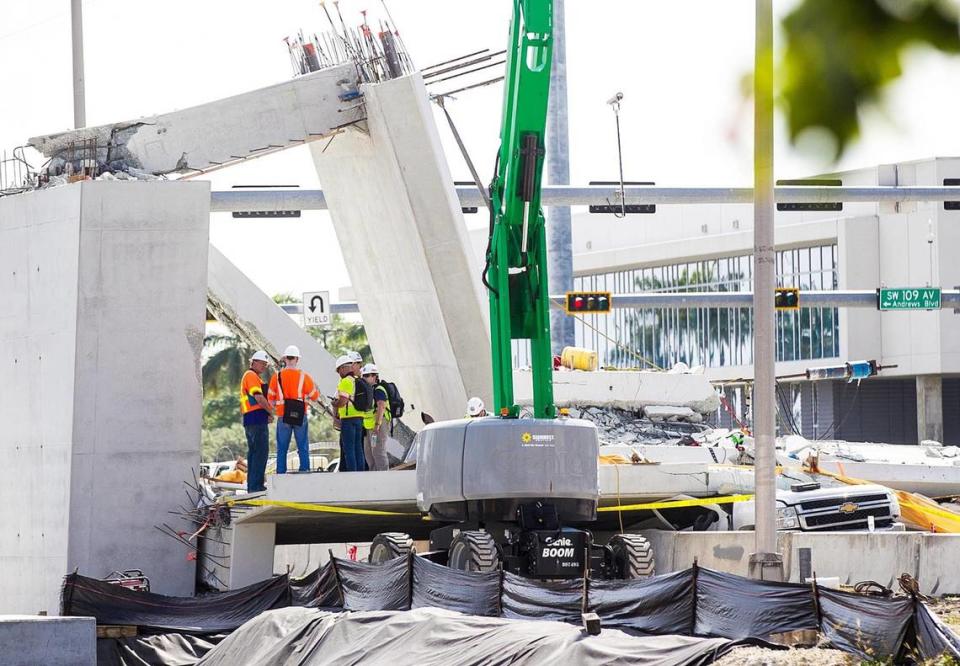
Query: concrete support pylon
x,y
930,408
399,225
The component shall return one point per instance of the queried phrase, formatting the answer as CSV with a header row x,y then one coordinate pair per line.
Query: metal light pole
x,y
559,238
79,103
765,562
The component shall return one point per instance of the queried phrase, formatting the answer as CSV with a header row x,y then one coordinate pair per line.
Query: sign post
x,y
909,298
316,309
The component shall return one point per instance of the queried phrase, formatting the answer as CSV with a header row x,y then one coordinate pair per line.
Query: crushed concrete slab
x,y
210,135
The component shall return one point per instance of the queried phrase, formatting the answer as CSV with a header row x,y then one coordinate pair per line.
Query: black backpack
x,y
363,400
394,399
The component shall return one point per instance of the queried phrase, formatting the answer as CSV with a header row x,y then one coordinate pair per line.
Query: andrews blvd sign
x,y
909,298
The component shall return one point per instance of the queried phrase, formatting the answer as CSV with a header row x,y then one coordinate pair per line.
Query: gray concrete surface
x,y
31,640
850,556
102,328
624,389
401,231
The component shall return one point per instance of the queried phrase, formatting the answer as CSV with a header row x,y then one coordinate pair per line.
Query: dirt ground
x,y
757,656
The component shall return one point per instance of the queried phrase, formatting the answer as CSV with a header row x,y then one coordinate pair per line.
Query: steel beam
x,y
557,195
950,298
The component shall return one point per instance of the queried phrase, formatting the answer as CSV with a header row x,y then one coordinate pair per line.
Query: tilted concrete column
x,y
406,247
930,407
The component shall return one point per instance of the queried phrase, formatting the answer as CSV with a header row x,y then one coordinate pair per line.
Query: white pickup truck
x,y
811,504
804,503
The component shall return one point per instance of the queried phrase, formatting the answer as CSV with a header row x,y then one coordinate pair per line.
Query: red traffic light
x,y
594,302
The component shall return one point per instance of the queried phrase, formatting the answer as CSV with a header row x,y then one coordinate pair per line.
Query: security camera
x,y
615,99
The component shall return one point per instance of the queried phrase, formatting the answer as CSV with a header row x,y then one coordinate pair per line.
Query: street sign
x,y
908,298
316,309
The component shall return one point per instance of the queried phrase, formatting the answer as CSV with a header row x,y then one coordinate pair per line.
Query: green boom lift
x,y
516,262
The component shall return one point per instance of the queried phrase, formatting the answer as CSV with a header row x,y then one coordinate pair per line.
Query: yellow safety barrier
x,y
674,504
323,508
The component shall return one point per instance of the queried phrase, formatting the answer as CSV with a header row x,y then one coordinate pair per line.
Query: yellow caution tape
x,y
673,504
324,508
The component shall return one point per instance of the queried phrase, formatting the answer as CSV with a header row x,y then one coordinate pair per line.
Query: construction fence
x,y
694,602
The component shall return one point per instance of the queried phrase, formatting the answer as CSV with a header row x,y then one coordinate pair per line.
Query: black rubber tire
x,y
632,556
473,550
387,546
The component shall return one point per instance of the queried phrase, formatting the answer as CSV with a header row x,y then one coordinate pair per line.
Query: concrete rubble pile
x,y
624,426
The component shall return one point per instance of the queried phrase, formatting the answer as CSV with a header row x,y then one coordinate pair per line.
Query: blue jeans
x,y
258,447
351,445
284,431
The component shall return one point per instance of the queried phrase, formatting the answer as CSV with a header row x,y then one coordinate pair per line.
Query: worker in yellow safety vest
x,y
375,422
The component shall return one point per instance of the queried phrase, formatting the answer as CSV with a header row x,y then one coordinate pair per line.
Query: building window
x,y
713,337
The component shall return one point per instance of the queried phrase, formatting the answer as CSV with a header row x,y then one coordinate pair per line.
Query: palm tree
x,y
226,364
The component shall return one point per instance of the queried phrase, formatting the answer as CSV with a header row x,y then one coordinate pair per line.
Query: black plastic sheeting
x,y
316,590
436,586
869,627
374,586
735,607
933,636
435,637
527,599
695,602
156,613
658,605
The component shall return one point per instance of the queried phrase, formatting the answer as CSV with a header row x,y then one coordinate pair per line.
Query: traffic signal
x,y
592,302
787,298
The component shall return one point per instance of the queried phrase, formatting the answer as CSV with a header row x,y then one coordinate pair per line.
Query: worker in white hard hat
x,y
349,418
290,389
475,408
257,415
375,422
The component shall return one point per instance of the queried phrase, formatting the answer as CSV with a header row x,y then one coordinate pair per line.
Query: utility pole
x,y
765,562
559,234
79,103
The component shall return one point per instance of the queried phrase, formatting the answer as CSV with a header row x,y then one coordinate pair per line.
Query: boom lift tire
x,y
473,550
389,545
632,556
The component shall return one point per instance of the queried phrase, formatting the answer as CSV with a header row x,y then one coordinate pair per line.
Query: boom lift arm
x,y
515,273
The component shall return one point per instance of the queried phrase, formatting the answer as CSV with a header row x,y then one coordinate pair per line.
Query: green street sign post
x,y
909,298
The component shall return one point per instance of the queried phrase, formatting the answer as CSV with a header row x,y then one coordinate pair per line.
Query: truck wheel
x,y
473,550
632,556
390,545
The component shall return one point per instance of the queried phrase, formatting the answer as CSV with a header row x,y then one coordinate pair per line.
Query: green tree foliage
x,y
229,359
841,54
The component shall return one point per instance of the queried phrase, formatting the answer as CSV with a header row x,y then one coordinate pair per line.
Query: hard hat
x,y
355,357
343,360
260,356
475,406
369,369
292,350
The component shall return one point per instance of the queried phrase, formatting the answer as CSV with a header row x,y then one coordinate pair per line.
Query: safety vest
x,y
297,385
250,386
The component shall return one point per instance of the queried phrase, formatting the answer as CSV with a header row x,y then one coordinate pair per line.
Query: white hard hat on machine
x,y
475,406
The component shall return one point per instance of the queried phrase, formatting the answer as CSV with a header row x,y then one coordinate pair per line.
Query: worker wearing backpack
x,y
353,399
375,422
